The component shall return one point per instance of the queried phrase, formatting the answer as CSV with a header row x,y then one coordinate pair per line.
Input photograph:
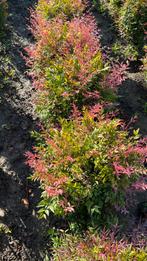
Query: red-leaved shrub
x,y
67,63
86,166
92,247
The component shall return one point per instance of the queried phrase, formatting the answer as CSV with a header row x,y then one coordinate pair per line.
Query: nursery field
x,y
73,130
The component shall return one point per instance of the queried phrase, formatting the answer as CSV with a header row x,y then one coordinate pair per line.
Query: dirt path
x,y
26,242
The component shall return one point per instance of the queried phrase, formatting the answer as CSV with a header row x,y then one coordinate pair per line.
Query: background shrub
x,y
92,247
113,6
130,18
132,21
86,166
52,8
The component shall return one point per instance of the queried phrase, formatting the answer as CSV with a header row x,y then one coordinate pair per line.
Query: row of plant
x,y
95,248
84,158
129,17
67,63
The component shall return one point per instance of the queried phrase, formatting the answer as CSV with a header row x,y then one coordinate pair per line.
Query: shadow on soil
x,y
27,239
108,31
18,195
132,99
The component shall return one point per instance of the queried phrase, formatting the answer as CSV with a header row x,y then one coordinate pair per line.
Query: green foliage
x,y
4,229
113,6
62,89
145,63
7,70
67,65
85,160
132,21
85,168
126,52
52,8
145,107
95,248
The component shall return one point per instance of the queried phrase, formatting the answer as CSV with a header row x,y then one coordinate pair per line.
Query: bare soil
x,y
18,196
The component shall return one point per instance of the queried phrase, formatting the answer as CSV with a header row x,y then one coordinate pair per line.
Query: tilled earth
x,y
23,238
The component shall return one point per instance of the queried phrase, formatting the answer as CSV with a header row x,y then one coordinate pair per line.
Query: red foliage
x,y
140,186
116,75
119,170
52,191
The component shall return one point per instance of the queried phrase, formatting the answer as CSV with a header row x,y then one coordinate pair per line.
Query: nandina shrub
x,y
65,60
92,247
71,69
52,8
129,17
113,6
85,166
74,45
132,21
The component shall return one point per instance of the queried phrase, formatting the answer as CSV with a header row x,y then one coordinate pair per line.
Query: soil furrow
x,y
18,196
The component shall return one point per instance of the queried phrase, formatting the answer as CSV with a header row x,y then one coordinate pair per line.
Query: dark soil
x,y
133,97
18,196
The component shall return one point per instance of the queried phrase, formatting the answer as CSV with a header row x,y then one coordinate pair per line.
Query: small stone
x,y
2,212
2,161
33,213
25,202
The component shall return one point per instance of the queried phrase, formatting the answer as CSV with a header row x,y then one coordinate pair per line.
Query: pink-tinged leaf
x,y
53,192
119,170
